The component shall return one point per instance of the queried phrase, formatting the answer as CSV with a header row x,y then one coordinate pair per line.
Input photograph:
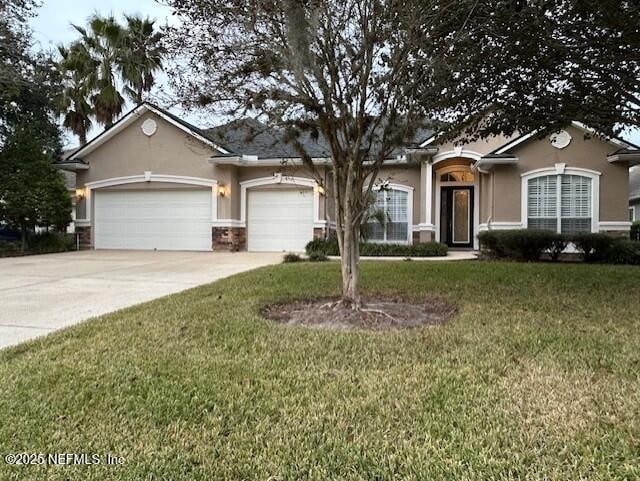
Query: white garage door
x,y
153,219
279,220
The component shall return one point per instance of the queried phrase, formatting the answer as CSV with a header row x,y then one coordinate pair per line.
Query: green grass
x,y
537,378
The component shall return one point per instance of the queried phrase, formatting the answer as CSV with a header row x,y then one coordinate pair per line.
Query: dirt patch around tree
x,y
376,314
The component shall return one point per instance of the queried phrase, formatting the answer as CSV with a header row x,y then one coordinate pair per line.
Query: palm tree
x,y
141,56
104,40
79,76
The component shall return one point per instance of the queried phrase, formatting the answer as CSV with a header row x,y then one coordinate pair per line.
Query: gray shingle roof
x,y
634,182
251,137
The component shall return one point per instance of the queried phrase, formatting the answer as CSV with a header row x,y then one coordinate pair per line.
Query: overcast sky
x,y
52,26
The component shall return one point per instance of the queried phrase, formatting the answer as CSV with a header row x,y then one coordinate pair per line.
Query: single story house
x,y
153,181
634,194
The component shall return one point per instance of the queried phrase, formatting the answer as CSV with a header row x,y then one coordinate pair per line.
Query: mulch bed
x,y
376,314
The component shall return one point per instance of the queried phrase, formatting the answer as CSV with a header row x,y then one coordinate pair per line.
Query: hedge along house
x,y
153,181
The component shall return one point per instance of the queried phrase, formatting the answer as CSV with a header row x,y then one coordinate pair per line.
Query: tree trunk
x,y
348,233
23,239
350,257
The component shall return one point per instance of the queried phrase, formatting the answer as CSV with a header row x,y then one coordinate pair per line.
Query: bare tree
x,y
345,71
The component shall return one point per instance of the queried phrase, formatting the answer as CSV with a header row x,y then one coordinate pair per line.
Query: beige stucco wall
x,y
170,151
485,197
585,153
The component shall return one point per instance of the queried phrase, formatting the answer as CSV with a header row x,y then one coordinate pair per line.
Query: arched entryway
x,y
457,203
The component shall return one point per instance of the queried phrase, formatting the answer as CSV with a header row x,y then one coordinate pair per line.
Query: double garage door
x,y
153,219
277,219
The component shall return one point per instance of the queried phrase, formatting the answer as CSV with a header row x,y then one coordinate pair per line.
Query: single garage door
x,y
153,219
279,219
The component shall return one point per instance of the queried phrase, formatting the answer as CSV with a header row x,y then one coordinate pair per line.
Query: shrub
x,y
291,257
519,244
318,257
46,242
490,243
329,247
593,247
623,251
9,248
635,230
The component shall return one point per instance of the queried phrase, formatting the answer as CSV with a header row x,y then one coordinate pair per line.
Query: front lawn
x,y
536,378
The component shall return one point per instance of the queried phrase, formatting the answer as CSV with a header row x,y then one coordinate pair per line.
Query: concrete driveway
x,y
40,294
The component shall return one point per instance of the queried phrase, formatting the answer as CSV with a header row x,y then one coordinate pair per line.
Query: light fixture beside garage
x,y
319,189
149,127
80,194
222,190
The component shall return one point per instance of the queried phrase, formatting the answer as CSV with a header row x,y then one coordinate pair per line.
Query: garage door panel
x,y
164,220
279,220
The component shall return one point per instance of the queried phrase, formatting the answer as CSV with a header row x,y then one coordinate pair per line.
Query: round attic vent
x,y
149,127
560,139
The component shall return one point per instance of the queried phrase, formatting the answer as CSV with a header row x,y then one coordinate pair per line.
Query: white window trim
x,y
476,198
281,179
559,170
409,191
148,177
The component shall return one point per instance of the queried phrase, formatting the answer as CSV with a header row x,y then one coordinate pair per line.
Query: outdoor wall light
x,y
222,190
80,193
320,189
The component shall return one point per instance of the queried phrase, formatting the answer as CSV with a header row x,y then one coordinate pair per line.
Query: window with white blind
x,y
394,205
543,203
575,204
560,202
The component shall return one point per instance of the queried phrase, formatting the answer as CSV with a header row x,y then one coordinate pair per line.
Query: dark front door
x,y
456,216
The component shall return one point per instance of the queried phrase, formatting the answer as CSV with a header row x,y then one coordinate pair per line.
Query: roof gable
x,y
614,141
131,117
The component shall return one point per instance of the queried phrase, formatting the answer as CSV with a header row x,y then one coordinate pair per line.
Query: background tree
x,y
15,61
340,69
141,57
31,189
536,65
108,62
79,76
104,40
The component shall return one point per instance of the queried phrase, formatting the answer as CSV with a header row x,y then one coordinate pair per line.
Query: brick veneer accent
x,y
230,239
84,234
